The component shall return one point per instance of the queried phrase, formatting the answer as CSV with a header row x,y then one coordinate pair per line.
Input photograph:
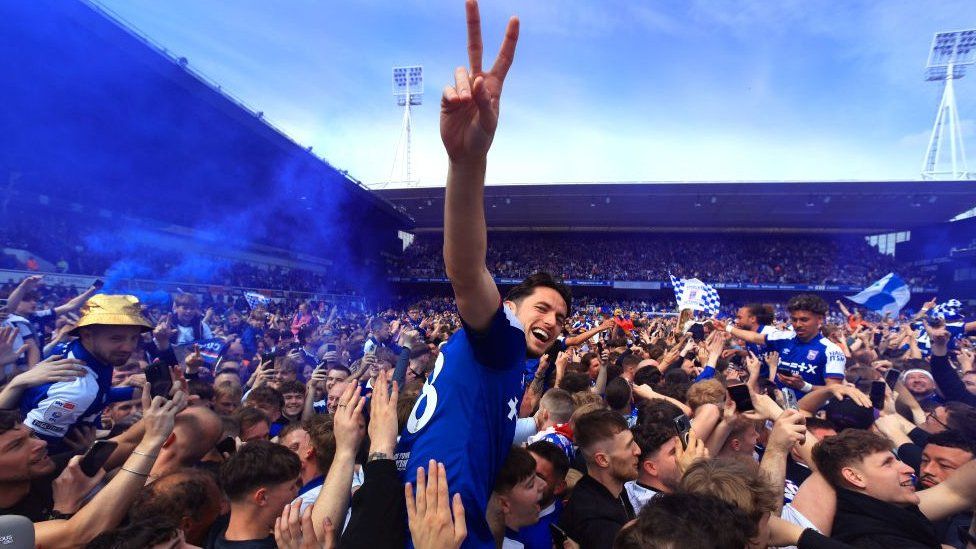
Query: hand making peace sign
x,y
469,108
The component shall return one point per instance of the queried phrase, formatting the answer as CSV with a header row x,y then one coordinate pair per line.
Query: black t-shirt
x,y
38,503
216,540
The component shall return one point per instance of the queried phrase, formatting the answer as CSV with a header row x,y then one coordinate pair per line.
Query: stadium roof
x,y
845,206
94,114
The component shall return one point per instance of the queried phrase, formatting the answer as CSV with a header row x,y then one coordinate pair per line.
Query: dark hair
x,y
815,422
182,493
807,302
961,417
618,394
553,454
9,420
321,432
518,466
951,438
257,464
291,386
544,280
265,395
689,521
249,416
651,436
852,445
137,535
598,426
200,388
765,313
575,382
648,375
657,411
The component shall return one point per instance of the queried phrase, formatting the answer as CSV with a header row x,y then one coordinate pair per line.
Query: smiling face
x,y
22,455
542,314
882,476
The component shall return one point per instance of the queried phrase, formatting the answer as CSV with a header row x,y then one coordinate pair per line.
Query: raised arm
x,y
745,335
469,117
581,338
76,302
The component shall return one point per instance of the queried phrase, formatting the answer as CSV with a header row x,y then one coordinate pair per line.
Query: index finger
x,y
475,47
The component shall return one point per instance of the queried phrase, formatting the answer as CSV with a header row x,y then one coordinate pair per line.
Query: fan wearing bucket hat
x,y
108,333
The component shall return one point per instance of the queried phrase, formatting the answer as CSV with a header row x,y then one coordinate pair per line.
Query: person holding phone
x,y
109,331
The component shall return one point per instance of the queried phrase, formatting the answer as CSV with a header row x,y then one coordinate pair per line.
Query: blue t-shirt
x,y
465,416
538,535
50,410
815,360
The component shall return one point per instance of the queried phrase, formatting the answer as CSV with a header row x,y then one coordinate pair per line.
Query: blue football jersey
x,y
814,360
465,416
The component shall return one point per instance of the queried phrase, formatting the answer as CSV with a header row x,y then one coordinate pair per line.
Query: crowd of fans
x,y
488,420
286,431
767,259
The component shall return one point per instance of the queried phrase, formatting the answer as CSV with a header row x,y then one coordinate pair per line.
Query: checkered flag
x,y
945,310
712,302
696,295
255,299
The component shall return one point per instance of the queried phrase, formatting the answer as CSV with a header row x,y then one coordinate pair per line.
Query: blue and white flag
x,y
255,299
886,296
694,294
949,309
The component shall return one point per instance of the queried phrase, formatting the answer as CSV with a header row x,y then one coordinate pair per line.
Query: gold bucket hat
x,y
112,310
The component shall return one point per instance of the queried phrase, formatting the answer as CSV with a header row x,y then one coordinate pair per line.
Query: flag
x,y
949,309
694,294
886,296
255,299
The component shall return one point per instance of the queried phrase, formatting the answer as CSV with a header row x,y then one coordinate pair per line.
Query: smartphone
x,y
789,399
891,377
96,456
331,348
160,379
559,535
743,400
784,371
878,394
683,425
98,284
227,446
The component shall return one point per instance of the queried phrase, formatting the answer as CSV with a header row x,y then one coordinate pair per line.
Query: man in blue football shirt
x,y
465,416
811,358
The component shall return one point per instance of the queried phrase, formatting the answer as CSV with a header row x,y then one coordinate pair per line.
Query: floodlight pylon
x,y
951,54
408,89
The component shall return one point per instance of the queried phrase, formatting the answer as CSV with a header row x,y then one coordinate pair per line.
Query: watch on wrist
x,y
373,456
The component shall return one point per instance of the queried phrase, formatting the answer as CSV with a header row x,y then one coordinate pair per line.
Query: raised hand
x,y
383,426
429,511
50,370
8,336
349,426
469,108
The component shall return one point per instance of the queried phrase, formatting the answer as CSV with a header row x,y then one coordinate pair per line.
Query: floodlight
x,y
408,90
951,53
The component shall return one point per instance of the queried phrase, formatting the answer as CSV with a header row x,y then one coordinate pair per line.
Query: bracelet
x,y
806,387
135,472
154,456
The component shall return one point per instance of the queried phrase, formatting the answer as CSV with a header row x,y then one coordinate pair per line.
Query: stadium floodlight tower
x,y
951,53
408,89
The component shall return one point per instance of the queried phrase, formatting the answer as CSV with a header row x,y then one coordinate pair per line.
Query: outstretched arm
x,y
469,117
581,338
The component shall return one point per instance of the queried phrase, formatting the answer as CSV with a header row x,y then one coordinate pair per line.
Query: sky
x,y
600,91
